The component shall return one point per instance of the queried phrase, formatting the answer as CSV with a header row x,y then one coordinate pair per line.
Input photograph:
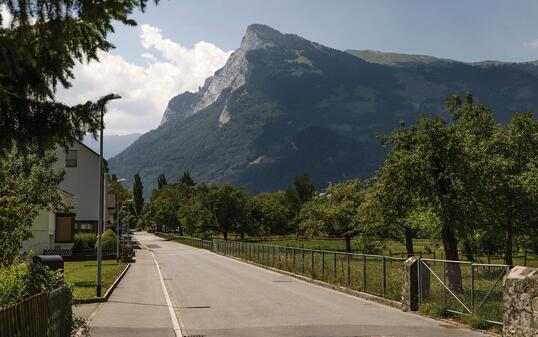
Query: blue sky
x,y
179,43
464,30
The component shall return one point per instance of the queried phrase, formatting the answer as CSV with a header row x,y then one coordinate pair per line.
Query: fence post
x,y
520,302
302,261
273,252
312,264
472,288
348,269
444,282
323,265
293,252
364,272
334,265
384,286
410,298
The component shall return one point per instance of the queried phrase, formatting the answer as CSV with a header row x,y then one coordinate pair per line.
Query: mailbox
x,y
54,262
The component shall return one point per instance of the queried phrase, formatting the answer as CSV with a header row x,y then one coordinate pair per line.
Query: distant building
x,y
81,188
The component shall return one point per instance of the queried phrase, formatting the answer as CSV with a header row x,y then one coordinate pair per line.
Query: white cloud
x,y
531,44
145,89
6,16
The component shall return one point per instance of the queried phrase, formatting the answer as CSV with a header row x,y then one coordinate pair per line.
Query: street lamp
x,y
101,103
118,213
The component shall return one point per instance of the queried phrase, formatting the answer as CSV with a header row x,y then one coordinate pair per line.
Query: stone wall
x,y
520,303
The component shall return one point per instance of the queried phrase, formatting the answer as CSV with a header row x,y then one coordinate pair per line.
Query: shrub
x,y
21,280
109,240
84,241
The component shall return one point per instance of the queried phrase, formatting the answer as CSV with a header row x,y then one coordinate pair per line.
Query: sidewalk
x,y
137,307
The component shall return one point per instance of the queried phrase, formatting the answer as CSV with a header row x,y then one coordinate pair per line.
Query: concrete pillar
x,y
410,284
520,302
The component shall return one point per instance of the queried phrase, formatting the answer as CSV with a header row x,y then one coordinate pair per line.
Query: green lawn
x,y
83,276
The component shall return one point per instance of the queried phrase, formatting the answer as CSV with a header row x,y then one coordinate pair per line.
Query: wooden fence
x,y
42,315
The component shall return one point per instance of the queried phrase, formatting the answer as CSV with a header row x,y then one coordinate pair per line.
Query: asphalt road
x,y
217,296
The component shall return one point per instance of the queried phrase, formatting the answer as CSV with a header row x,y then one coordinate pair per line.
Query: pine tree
x,y
38,50
161,181
138,196
186,179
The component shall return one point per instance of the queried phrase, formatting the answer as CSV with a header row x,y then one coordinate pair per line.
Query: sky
x,y
179,43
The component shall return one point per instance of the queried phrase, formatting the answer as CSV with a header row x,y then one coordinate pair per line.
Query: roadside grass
x,y
422,247
83,276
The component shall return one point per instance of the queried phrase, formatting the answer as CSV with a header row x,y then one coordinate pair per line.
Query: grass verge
x,y
83,276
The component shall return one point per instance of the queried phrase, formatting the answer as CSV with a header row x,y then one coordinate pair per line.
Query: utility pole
x,y
101,205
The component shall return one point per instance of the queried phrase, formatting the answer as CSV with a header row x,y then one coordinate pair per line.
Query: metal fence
x,y
190,241
375,274
42,315
463,288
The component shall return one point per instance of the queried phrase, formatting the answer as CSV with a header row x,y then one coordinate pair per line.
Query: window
x,y
71,158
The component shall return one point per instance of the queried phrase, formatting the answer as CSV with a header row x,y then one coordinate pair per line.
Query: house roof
x,y
89,149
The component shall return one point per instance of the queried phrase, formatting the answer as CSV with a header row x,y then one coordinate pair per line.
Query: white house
x,y
81,179
81,188
51,230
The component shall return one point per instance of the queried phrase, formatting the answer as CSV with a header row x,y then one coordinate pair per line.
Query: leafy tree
x,y
432,160
304,187
197,215
39,49
301,191
163,208
232,210
335,212
510,202
186,179
28,184
138,194
272,213
161,181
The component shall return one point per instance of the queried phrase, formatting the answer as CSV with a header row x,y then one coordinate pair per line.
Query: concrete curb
x,y
108,292
365,296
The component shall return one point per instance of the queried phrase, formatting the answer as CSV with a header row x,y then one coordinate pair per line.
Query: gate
x,y
463,288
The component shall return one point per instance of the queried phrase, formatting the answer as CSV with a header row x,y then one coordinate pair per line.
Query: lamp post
x,y
118,214
102,102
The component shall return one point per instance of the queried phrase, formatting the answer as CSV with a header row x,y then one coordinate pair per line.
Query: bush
x,y
22,280
84,241
109,241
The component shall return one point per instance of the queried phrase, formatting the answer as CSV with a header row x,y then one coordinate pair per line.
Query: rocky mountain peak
x,y
259,36
231,76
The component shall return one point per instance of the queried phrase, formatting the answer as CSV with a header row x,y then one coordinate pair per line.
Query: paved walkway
x,y
137,307
218,296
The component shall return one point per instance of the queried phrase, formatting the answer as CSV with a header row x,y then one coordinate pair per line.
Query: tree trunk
x,y
181,230
242,236
509,238
348,243
409,242
468,251
225,235
453,271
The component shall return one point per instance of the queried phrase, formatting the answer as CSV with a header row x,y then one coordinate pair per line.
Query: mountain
x,y
112,144
283,105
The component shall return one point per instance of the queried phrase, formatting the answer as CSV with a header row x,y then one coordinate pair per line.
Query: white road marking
x,y
175,322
